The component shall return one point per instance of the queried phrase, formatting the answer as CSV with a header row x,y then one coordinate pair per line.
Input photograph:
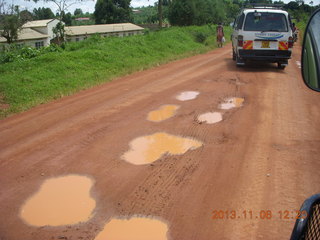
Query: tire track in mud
x,y
60,128
178,169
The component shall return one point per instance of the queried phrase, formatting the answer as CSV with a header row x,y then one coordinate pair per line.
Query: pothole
x,y
163,113
229,103
210,117
60,201
188,95
147,149
136,228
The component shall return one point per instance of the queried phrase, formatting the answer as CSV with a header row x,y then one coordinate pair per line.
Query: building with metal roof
x,y
78,33
39,33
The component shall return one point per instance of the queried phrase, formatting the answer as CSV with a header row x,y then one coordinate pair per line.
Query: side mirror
x,y
310,60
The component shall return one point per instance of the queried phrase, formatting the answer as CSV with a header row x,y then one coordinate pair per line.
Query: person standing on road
x,y
220,35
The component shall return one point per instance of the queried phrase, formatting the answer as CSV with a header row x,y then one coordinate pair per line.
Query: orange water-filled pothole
x,y
188,95
147,149
230,103
210,117
136,228
60,201
163,113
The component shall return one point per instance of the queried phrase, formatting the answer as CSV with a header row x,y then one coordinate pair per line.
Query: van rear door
x,y
267,31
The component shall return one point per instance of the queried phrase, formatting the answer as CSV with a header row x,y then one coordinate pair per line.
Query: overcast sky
x,y
88,5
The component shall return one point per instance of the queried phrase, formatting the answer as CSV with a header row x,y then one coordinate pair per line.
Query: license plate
x,y
265,44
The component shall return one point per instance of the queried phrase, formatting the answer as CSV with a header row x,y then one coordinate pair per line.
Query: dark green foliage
x,y
200,37
16,53
26,16
182,13
78,12
113,11
42,13
59,32
10,25
145,15
196,12
67,18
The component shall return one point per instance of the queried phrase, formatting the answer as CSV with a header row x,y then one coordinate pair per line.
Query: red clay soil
x,y
262,156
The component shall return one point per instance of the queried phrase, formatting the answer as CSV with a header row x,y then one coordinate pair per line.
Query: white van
x,y
262,34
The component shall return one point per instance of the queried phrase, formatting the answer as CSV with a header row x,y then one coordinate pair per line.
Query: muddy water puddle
x,y
134,229
230,103
163,113
210,117
147,149
60,201
188,95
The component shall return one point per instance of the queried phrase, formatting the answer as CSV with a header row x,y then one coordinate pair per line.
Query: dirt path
x,y
262,156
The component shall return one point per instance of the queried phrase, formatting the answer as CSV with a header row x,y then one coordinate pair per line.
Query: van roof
x,y
271,10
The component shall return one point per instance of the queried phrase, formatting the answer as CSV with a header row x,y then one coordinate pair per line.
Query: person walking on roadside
x,y
220,35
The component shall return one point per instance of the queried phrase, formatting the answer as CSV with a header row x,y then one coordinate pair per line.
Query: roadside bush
x,y
28,52
200,37
15,53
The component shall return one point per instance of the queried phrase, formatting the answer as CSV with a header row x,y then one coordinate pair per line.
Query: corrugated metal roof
x,y
27,34
102,28
38,23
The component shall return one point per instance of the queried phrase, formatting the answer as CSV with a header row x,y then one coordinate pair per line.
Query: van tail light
x,y
240,41
290,42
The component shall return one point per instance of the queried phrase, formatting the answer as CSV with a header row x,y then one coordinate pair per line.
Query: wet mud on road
x,y
262,155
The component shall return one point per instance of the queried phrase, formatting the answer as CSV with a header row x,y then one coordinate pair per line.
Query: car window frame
x,y
240,21
286,22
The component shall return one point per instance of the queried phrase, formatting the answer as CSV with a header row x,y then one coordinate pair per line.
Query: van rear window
x,y
266,22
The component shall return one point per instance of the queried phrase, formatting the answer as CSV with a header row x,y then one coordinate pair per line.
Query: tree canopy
x,y
196,12
42,13
113,11
78,11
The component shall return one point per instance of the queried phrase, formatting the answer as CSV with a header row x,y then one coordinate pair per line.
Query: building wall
x,y
51,25
116,34
29,43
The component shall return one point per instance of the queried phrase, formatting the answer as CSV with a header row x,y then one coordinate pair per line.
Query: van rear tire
x,y
239,62
281,66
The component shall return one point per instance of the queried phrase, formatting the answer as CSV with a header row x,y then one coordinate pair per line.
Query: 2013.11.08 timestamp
x,y
259,215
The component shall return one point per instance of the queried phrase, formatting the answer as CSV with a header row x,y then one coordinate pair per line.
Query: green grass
x,y
302,27
28,83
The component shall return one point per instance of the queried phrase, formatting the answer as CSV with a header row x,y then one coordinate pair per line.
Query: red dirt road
x,y
262,156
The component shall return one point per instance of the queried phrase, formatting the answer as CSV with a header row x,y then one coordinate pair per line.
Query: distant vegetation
x,y
28,82
199,12
112,11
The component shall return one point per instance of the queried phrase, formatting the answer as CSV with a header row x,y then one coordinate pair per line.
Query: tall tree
x,y
160,12
11,24
182,12
113,11
196,12
78,12
43,13
26,16
67,18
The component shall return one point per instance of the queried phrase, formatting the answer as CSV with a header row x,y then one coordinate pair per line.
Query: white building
x,y
79,33
36,33
39,33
